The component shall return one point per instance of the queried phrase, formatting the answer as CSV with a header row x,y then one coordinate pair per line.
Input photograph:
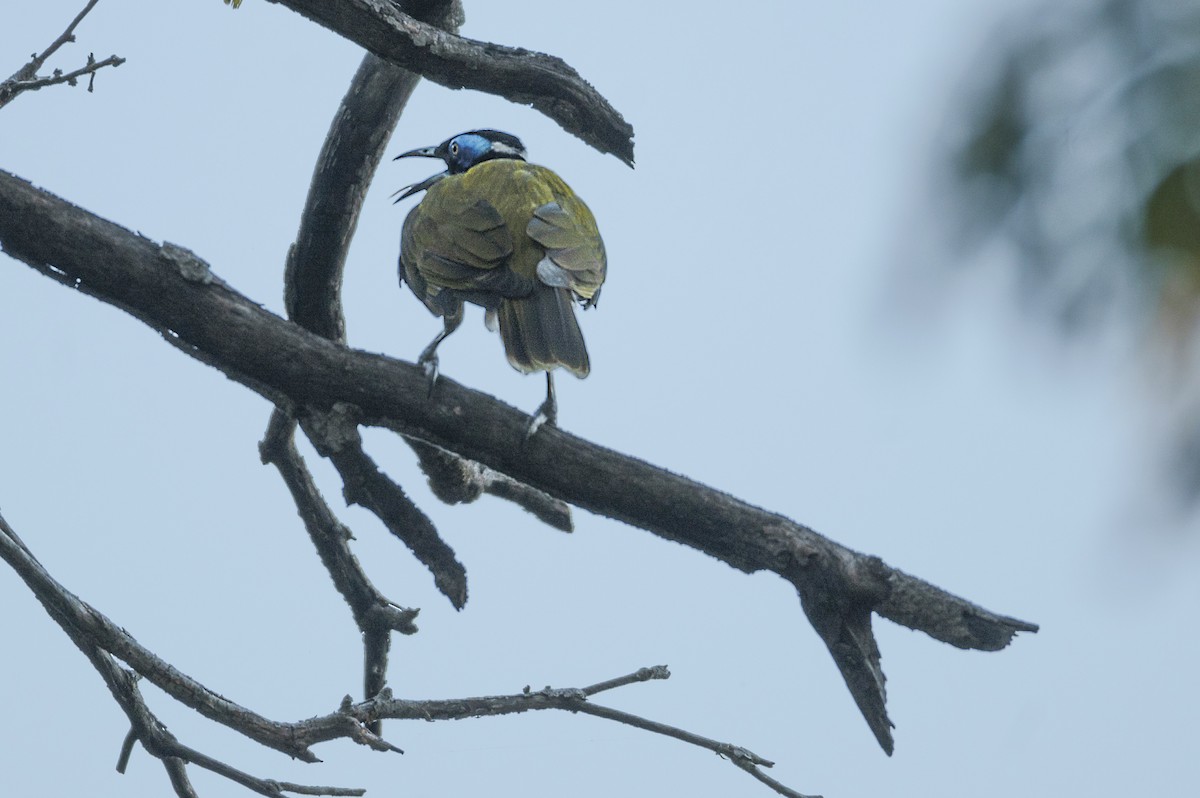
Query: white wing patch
x,y
552,274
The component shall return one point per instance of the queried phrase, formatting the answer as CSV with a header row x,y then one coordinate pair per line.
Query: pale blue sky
x,y
747,339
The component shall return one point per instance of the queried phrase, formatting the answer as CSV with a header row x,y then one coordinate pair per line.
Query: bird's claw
x,y
546,414
430,366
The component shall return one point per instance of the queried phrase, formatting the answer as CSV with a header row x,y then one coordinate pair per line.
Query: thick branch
x,y
372,611
838,587
352,151
336,437
353,148
455,480
542,81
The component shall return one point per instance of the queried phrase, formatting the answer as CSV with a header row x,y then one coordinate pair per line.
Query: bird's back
x,y
479,237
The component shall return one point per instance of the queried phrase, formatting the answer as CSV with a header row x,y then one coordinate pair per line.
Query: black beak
x,y
420,152
423,152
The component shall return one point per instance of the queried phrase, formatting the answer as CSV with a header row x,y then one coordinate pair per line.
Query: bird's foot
x,y
429,364
546,414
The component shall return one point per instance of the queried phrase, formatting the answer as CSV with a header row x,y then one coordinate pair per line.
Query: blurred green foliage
x,y
1080,155
1081,149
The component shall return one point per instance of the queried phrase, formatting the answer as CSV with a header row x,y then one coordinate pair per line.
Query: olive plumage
x,y
511,237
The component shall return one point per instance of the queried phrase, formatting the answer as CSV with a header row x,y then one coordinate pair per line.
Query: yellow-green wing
x,y
454,242
575,255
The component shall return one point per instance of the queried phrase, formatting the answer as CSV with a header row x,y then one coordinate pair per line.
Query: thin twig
x,y
640,675
58,77
73,614
302,789
126,751
774,784
26,78
31,69
574,700
93,633
82,623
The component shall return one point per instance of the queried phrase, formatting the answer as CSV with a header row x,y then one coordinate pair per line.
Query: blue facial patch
x,y
471,148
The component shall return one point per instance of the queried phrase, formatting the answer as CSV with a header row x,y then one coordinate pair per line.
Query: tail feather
x,y
540,332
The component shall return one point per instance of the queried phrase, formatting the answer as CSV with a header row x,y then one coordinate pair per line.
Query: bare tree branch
x,y
838,587
353,148
352,151
26,78
76,616
349,157
455,480
95,635
101,640
372,611
30,70
467,443
543,81
335,434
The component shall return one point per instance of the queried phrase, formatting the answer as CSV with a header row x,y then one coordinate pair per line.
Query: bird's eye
x,y
454,148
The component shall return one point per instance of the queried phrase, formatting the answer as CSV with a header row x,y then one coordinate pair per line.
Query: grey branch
x,y
95,635
335,434
27,79
372,611
101,641
839,588
543,81
455,480
313,272
576,700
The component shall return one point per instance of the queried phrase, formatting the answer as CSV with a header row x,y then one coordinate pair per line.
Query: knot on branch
x,y
567,694
188,263
793,549
740,755
453,479
384,616
653,672
335,430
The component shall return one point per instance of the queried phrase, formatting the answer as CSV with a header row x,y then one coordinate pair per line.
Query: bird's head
x,y
463,151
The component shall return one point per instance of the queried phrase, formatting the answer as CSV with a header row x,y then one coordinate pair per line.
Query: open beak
x,y
419,152
408,191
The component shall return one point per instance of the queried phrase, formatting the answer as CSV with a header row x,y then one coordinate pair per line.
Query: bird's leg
x,y
547,413
428,360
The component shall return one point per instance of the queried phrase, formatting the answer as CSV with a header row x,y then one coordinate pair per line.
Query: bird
x,y
511,237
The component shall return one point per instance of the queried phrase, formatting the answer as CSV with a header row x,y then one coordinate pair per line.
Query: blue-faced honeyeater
x,y
511,237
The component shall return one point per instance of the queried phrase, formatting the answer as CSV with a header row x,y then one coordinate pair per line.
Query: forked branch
x,y
543,81
27,79
103,642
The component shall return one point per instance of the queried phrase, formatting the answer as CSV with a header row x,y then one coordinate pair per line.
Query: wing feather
x,y
573,245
